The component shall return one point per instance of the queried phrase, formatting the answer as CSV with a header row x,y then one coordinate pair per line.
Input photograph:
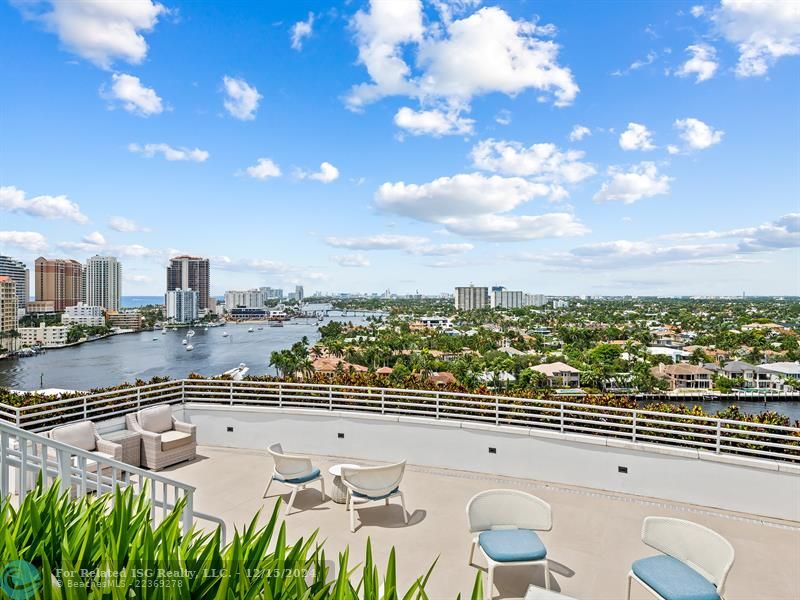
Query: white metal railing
x,y
25,456
722,436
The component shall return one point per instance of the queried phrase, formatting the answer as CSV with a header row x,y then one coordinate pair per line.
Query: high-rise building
x,y
244,299
298,293
19,274
535,300
471,298
182,306
60,281
503,298
103,282
9,304
190,273
272,293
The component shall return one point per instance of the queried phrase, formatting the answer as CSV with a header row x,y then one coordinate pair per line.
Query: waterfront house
x,y
738,369
330,364
683,376
560,374
772,375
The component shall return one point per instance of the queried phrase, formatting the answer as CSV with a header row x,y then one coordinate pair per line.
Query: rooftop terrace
x,y
595,536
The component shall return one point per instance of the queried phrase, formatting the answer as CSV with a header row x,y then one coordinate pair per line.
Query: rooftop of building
x,y
594,540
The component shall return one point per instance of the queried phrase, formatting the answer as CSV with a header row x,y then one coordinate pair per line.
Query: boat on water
x,y
237,373
155,339
260,328
205,329
250,330
190,333
276,323
184,342
189,348
163,332
225,334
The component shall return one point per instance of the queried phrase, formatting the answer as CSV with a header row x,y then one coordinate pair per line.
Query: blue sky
x,y
555,147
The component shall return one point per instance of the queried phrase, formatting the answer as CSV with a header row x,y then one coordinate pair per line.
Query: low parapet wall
x,y
753,486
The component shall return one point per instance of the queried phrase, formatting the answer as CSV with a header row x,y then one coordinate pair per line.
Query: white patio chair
x,y
694,564
293,471
373,484
505,523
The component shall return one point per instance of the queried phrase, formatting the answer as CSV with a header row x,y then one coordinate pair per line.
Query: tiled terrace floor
x,y
595,534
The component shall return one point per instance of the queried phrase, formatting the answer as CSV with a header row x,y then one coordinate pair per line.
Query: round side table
x,y
339,492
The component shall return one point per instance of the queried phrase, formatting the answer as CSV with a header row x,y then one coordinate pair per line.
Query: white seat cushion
x,y
174,439
157,419
80,435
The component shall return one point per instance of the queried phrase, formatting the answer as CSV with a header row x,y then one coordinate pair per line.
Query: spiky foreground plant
x,y
53,547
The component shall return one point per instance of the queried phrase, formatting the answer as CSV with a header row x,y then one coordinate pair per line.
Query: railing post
x,y
633,431
330,397
497,411
18,417
719,436
437,405
4,468
280,394
183,391
383,401
188,512
138,398
84,408
561,415
230,395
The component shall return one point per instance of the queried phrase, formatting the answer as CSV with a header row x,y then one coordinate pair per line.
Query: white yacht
x,y
250,330
189,348
184,342
225,334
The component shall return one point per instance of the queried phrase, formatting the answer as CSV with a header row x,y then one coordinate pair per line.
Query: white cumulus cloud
x,y
98,31
410,244
170,153
13,199
302,30
454,59
327,173
134,97
702,63
639,181
31,241
545,162
263,169
636,137
513,228
763,31
578,133
125,225
433,122
698,135
241,98
95,238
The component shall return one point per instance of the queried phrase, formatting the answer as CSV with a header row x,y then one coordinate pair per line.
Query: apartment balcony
x,y
602,470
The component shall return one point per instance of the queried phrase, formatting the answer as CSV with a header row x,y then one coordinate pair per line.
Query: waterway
x,y
143,355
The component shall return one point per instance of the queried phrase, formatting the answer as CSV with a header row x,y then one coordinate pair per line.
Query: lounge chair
x,y
293,471
83,435
694,564
373,484
165,440
505,523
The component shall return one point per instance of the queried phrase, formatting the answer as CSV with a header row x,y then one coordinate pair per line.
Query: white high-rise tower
x,y
103,282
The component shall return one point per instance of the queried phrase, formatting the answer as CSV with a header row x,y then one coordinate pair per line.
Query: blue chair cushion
x,y
313,475
360,495
512,545
674,580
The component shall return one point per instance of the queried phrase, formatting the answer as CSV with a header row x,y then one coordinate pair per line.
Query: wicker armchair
x,y
165,440
84,435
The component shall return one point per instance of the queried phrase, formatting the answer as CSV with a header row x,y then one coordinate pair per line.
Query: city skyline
x,y
348,149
